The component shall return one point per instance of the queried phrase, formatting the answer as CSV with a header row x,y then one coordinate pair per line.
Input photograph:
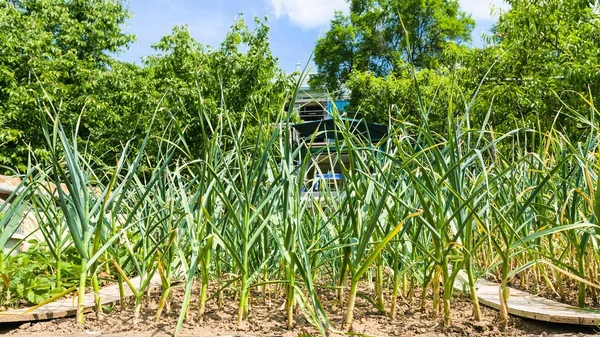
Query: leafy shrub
x,y
30,276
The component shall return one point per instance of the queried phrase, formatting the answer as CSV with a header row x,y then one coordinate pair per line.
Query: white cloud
x,y
481,10
307,13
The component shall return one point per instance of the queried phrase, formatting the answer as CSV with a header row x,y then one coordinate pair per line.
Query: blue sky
x,y
295,24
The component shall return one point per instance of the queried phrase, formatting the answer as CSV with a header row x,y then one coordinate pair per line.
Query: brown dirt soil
x,y
268,319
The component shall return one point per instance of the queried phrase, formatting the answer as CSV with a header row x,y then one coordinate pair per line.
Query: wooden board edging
x,y
67,307
526,305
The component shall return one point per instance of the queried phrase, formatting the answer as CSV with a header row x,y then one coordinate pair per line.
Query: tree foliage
x,y
547,52
541,55
54,48
372,37
395,98
62,53
240,78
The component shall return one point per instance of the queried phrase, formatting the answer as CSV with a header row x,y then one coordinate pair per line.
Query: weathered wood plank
x,y
67,307
5,191
526,305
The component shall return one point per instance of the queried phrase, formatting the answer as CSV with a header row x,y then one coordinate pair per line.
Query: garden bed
x,y
269,319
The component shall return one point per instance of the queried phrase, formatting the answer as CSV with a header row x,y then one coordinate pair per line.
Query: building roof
x,y
327,128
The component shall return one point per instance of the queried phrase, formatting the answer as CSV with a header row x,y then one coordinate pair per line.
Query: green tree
x,y
60,47
372,38
240,78
119,109
395,96
546,52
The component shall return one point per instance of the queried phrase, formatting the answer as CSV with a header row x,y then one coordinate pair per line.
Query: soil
x,y
268,319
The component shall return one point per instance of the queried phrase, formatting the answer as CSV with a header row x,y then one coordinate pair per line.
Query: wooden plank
x,y
67,307
5,191
523,304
